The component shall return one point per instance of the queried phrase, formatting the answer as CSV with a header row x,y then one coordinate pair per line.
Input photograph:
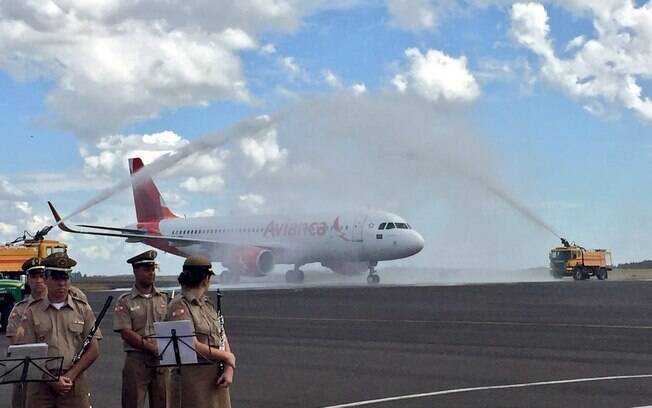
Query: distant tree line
x,y
647,264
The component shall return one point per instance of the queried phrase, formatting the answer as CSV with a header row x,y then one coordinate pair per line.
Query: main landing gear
x,y
294,275
228,277
373,278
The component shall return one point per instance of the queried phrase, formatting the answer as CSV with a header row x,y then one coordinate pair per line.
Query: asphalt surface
x,y
321,347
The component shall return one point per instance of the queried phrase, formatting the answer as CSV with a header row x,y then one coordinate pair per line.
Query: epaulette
x,y
25,300
76,298
35,301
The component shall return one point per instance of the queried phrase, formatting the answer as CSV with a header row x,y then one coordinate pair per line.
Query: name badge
x,y
134,308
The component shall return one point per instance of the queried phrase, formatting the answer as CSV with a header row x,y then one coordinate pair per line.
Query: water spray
x,y
254,128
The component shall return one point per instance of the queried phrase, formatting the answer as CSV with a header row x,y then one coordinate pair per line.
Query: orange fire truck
x,y
578,262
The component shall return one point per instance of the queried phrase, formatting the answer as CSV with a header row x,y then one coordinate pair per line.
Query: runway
x,y
550,344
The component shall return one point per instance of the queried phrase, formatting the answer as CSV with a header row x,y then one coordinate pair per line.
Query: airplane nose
x,y
416,242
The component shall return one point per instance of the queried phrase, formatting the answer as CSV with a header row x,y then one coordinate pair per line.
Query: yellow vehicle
x,y
578,262
12,256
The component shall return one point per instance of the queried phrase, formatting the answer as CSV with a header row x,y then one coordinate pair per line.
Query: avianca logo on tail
x,y
297,229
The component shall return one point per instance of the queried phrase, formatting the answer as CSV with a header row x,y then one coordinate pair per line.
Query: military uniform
x,y
64,330
196,386
14,329
138,311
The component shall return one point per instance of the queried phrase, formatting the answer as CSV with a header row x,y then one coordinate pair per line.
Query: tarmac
x,y
546,344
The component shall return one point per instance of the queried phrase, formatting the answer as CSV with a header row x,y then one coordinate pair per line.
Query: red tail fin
x,y
150,205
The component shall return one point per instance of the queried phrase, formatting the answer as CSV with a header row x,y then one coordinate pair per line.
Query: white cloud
x,y
416,14
267,49
8,191
251,203
208,212
96,252
291,68
24,207
330,78
116,62
7,228
437,77
264,152
359,89
205,184
606,70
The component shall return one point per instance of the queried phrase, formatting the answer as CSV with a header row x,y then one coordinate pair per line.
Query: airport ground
x,y
318,347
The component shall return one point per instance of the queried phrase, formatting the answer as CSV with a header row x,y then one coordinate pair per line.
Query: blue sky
x,y
547,101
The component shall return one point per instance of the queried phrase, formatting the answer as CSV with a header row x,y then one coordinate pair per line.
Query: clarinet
x,y
220,328
87,341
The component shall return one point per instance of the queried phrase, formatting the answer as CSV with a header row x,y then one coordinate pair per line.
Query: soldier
x,y
201,386
134,316
62,320
35,272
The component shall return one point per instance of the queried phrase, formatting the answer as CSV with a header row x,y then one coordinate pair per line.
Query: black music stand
x,y
26,366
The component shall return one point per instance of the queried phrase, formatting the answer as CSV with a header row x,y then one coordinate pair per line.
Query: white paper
x,y
186,352
20,351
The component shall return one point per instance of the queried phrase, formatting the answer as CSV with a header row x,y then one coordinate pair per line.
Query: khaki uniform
x,y
64,331
14,329
138,312
196,387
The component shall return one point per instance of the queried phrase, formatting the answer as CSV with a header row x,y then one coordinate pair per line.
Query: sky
x,y
424,108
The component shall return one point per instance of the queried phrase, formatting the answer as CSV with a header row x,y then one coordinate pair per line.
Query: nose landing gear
x,y
373,278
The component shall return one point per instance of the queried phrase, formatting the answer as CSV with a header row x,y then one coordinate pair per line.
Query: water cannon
x,y
40,234
565,243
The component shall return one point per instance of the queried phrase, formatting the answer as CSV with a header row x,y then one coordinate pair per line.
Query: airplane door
x,y
357,228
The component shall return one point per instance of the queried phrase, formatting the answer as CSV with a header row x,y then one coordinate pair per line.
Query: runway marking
x,y
459,322
491,387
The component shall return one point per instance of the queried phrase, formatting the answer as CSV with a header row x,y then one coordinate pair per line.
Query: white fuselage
x,y
299,240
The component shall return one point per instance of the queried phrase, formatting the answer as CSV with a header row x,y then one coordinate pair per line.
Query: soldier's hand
x,y
63,386
228,359
226,378
150,346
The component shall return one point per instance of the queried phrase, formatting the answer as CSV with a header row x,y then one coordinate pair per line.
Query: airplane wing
x,y
134,235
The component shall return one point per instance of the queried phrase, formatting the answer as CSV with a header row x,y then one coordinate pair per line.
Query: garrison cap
x,y
59,262
198,263
33,264
147,257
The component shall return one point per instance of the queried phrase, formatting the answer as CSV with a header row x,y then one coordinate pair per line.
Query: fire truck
x,y
578,262
12,256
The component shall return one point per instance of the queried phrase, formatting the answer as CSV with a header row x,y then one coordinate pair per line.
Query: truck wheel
x,y
601,274
578,274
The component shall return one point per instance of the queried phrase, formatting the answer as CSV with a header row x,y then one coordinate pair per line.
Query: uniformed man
x,y
62,320
134,316
35,272
201,386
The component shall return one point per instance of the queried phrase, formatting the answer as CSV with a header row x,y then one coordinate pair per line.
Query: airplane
x,y
347,243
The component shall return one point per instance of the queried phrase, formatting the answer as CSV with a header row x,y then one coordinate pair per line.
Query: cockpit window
x,y
382,226
390,225
401,225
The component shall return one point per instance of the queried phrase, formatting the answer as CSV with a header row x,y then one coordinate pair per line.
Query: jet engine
x,y
250,261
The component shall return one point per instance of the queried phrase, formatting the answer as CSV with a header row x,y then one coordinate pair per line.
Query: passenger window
x,y
390,225
382,226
